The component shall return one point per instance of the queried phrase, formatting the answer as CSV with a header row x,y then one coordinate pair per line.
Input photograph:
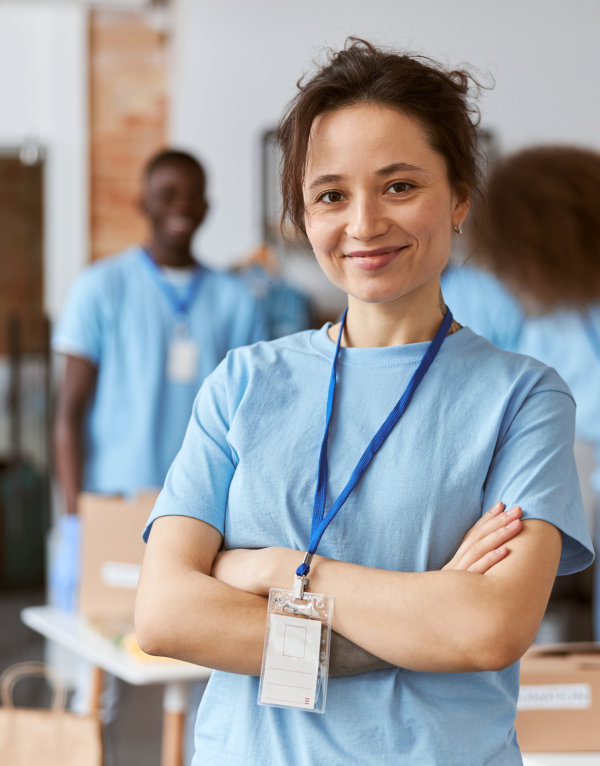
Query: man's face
x,y
175,204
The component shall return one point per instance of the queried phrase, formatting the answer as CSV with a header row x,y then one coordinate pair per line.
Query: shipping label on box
x,y
559,699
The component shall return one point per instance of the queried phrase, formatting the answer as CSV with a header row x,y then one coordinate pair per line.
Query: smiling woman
x,y
379,214
374,445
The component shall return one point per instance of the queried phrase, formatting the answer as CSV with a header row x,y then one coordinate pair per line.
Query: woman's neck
x,y
372,325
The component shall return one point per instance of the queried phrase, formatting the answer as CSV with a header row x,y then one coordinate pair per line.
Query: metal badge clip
x,y
301,581
300,584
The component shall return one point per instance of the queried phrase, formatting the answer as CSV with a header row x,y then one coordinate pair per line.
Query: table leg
x,y
174,714
96,690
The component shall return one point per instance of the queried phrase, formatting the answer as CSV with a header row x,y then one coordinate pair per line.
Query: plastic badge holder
x,y
295,665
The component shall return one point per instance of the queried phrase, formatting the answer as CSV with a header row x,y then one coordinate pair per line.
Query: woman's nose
x,y
366,219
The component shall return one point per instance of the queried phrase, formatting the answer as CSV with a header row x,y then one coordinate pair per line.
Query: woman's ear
x,y
460,211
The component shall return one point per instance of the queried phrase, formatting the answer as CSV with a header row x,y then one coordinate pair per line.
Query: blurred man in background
x,y
139,333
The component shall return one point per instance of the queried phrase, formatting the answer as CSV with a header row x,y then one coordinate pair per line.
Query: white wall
x,y
43,98
237,62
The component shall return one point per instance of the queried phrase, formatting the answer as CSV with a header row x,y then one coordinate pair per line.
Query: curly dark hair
x,y
541,233
415,85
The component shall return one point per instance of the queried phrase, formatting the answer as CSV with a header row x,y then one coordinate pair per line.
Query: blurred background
x,y
89,89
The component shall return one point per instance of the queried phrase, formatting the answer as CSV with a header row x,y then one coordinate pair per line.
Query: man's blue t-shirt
x,y
484,425
118,316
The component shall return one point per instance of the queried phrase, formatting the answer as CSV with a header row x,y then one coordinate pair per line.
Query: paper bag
x,y
54,737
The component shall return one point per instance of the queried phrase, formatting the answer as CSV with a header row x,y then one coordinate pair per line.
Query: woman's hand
x,y
485,543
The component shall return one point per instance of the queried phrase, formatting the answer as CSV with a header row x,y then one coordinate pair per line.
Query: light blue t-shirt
x,y
481,302
563,340
484,425
120,318
569,341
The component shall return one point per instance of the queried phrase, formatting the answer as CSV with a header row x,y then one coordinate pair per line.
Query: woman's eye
x,y
330,197
400,187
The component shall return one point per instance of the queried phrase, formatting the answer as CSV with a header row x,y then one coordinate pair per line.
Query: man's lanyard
x,y
320,519
179,304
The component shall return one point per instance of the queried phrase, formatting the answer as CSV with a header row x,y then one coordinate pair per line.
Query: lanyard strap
x,y
320,519
179,304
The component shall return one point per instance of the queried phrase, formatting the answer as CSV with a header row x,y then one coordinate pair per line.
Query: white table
x,y
74,633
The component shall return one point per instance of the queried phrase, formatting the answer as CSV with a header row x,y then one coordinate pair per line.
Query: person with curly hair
x,y
540,238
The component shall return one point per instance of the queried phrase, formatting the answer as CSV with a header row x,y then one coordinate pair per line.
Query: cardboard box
x,y
559,699
112,551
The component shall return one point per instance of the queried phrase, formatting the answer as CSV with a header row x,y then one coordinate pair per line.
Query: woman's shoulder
x,y
299,347
286,356
262,373
485,362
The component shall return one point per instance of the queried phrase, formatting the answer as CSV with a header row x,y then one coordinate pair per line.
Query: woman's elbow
x,y
149,641
501,644
151,635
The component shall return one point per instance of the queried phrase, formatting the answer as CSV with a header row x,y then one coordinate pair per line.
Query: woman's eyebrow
x,y
394,167
398,167
328,178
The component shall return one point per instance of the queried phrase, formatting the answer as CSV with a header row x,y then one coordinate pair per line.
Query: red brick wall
x,y
128,122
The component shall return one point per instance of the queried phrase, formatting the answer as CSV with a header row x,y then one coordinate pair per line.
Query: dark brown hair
x,y
541,235
415,85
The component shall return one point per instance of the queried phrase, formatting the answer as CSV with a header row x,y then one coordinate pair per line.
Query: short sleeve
x,y
79,330
534,467
198,480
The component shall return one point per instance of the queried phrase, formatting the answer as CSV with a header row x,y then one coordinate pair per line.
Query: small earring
x,y
458,228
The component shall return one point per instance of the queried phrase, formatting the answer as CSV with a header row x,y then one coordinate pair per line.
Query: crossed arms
x,y
480,612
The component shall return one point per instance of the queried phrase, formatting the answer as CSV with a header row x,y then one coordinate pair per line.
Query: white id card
x,y
182,361
296,652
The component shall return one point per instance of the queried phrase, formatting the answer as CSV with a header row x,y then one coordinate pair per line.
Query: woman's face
x,y
379,206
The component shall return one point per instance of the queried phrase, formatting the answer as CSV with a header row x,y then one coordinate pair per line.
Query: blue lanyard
x,y
180,304
320,519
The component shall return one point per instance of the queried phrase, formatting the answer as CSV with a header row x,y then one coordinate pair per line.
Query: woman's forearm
x,y
202,621
184,613
225,630
427,621
211,610
442,621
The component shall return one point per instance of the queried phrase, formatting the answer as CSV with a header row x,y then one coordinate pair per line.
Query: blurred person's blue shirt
x,y
118,317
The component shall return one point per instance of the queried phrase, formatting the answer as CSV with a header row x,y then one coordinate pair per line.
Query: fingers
x,y
478,529
488,560
496,518
493,547
493,513
478,550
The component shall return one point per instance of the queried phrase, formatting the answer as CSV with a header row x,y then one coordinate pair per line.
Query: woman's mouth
x,y
372,260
